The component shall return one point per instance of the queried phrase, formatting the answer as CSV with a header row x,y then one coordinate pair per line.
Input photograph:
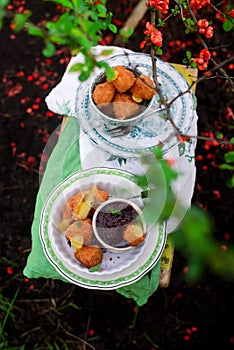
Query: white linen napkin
x,y
61,100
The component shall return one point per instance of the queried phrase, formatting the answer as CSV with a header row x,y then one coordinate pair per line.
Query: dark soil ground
x,y
51,314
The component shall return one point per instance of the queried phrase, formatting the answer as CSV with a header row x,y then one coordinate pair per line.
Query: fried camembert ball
x,y
134,234
75,204
89,256
80,206
66,218
80,233
103,93
99,195
82,203
123,79
141,89
124,106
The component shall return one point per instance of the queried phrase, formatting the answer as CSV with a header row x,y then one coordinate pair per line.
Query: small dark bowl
x,y
109,237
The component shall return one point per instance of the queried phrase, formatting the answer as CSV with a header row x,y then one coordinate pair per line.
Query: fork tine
x,y
119,131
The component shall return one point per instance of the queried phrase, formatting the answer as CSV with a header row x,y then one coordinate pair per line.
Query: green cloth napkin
x,y
65,160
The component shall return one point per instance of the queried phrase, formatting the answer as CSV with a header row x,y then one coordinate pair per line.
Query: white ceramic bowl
x,y
117,183
109,238
144,107
117,270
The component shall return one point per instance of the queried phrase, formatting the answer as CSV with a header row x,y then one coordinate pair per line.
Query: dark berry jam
x,y
112,220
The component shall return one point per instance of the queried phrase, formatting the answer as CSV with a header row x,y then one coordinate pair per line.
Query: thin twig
x,y
199,80
158,89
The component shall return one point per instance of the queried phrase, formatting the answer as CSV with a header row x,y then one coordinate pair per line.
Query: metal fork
x,y
124,130
119,131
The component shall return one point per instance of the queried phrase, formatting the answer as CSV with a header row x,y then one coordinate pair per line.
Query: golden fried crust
x,y
103,93
134,234
75,201
124,106
63,225
141,90
124,79
99,195
89,255
67,212
81,228
81,204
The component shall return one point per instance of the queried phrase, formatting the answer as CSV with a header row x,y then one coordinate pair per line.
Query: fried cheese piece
x,y
134,234
63,225
75,201
67,212
89,255
124,107
103,93
143,91
66,218
81,204
99,195
123,79
85,206
79,233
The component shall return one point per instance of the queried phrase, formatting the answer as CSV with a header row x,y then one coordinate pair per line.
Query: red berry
x,y
187,337
91,332
10,270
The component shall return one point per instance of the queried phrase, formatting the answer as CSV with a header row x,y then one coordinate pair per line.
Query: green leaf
x,y
142,181
106,52
230,182
109,71
94,268
60,40
158,51
228,25
84,75
20,20
229,157
80,6
64,3
77,67
1,25
226,167
101,9
188,54
113,28
161,22
35,31
49,50
197,225
4,3
114,211
193,64
125,34
195,270
219,135
157,151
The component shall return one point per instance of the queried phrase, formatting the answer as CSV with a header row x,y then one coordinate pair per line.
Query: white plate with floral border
x,y
152,130
116,270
